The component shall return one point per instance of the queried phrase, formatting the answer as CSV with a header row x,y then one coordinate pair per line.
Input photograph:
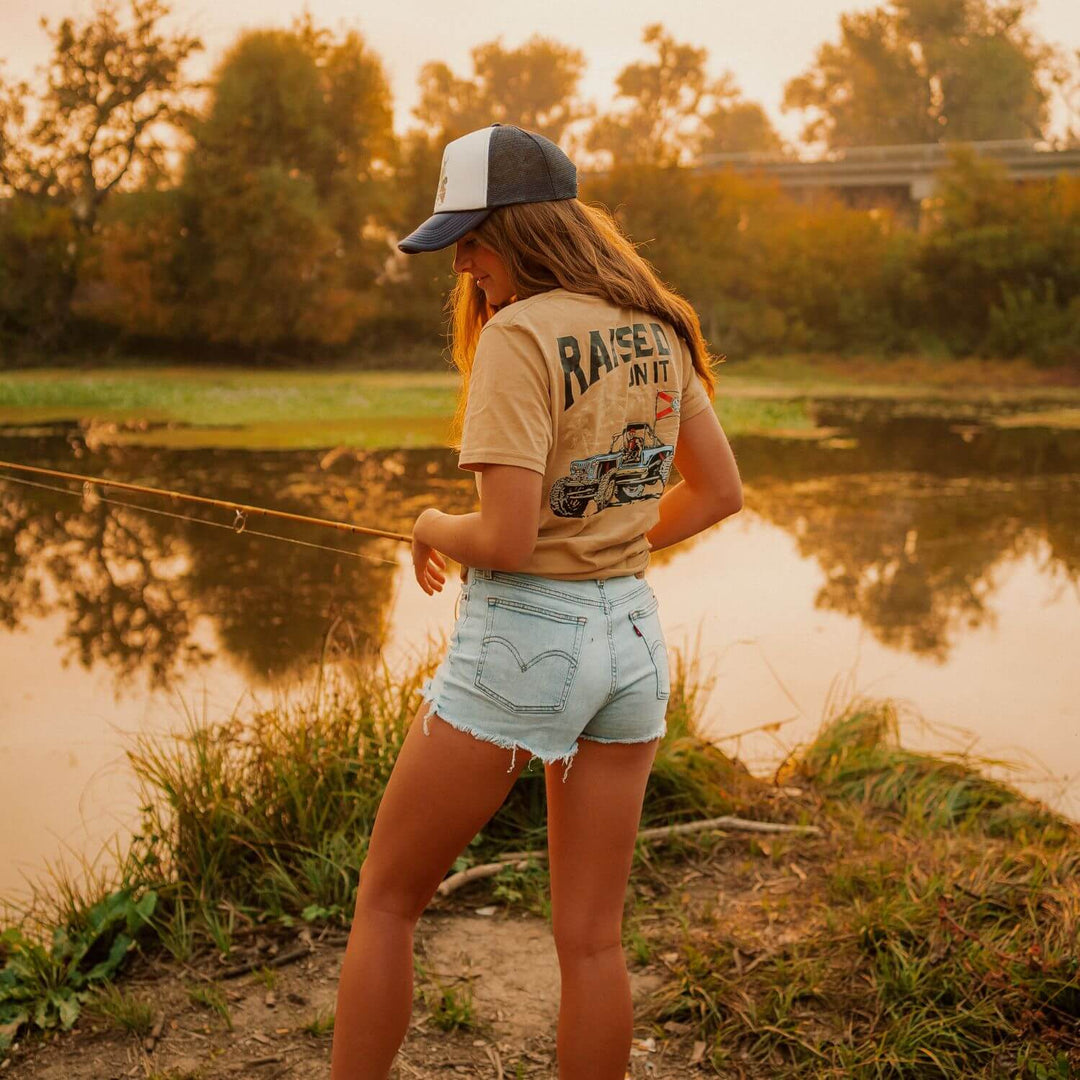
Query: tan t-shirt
x,y
589,395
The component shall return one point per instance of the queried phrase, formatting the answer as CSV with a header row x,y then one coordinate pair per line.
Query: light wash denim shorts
x,y
538,662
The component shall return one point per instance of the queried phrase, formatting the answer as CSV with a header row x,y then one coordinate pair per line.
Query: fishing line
x,y
200,521
243,509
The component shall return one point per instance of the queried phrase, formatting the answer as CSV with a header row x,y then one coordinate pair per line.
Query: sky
x,y
763,43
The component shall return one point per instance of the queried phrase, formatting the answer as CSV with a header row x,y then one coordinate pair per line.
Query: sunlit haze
x,y
763,44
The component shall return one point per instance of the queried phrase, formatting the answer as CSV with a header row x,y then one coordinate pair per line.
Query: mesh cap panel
x,y
524,167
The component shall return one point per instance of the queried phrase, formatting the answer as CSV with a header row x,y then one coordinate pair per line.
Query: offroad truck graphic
x,y
635,467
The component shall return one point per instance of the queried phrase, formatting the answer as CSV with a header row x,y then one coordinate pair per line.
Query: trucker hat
x,y
491,167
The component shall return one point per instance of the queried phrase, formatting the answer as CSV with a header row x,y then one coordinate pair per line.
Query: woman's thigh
x,y
593,822
443,789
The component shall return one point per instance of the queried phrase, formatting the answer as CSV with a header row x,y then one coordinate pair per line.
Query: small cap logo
x,y
440,196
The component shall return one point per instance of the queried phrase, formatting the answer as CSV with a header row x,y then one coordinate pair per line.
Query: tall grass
x,y
942,913
857,756
271,815
940,933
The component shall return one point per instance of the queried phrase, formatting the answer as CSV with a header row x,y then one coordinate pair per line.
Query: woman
x,y
585,379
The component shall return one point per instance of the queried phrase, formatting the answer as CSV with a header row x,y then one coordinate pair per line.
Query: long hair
x,y
581,248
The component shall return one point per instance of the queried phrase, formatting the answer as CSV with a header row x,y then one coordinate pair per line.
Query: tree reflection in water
x,y
908,519
132,585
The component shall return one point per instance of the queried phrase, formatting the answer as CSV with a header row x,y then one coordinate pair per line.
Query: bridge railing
x,y
897,153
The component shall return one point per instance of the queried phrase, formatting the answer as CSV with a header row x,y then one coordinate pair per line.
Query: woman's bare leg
x,y
443,788
592,824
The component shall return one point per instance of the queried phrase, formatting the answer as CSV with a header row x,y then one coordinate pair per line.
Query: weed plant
x,y
212,997
123,1009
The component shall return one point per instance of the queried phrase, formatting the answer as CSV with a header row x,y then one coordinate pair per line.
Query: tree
x,y
915,71
112,88
300,99
676,111
272,273
736,125
534,86
285,183
357,188
37,241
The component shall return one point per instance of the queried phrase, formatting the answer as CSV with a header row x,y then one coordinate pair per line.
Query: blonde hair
x,y
581,248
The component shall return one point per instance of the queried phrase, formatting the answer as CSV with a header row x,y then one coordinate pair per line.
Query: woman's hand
x,y
428,564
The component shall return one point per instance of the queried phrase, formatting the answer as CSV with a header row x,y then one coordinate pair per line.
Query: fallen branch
x,y
496,1061
258,1063
476,873
287,957
736,824
519,859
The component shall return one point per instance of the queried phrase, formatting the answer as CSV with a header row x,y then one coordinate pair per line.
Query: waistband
x,y
600,592
499,575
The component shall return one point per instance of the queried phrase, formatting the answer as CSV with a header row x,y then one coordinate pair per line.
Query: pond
x,y
932,559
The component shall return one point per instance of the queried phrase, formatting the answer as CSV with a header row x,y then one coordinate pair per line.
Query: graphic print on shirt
x,y
636,466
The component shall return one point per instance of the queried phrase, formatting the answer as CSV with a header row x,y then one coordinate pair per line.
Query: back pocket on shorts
x,y
646,622
529,655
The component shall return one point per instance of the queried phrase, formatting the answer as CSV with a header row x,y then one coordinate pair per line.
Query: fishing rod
x,y
242,509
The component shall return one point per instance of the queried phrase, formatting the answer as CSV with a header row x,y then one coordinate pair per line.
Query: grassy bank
x,y
929,929
299,408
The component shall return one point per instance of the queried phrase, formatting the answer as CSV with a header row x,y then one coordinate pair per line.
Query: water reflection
x,y
131,584
918,534
909,519
906,518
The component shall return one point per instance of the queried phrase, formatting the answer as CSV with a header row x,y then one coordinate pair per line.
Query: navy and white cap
x,y
494,166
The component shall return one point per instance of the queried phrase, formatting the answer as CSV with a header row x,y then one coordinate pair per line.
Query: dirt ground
x,y
508,960
505,957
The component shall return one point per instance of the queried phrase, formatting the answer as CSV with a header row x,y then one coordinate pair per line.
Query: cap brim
x,y
441,230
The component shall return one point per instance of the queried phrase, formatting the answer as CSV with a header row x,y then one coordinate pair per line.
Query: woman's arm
x,y
500,536
711,488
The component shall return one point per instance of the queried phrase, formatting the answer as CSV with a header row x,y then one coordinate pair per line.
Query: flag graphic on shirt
x,y
667,404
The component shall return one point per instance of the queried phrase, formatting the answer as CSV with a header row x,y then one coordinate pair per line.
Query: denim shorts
x,y
538,662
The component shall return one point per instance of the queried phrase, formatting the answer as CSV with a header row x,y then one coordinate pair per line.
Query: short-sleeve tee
x,y
589,395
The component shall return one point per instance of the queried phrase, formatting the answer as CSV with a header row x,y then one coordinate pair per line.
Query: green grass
x,y
903,376
935,960
450,1008
123,1009
858,757
321,1025
188,407
212,998
272,815
266,820
195,407
285,410
226,396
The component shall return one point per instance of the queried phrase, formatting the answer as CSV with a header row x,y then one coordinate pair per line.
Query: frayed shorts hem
x,y
638,739
513,745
